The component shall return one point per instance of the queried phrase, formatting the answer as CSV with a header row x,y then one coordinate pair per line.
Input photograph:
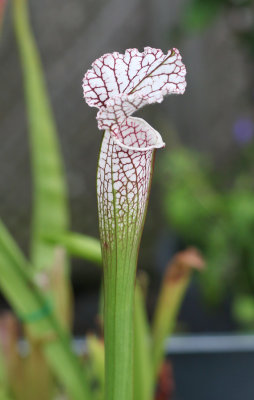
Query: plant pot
x,y
212,367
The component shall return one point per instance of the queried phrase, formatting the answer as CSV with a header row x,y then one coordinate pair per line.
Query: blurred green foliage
x,y
218,219
243,310
199,14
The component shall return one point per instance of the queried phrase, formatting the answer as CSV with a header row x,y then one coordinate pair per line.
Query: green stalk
x,y
29,303
50,213
119,281
118,320
77,244
175,283
143,382
169,302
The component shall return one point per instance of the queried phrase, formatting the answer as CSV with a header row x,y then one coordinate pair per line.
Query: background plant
x,y
224,230
219,198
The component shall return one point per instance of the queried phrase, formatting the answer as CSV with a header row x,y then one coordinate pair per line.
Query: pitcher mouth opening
x,y
137,135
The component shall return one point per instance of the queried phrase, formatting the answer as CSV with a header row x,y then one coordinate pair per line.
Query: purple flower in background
x,y
243,130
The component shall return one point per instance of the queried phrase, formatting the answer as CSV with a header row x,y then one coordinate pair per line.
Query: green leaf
x,y
50,212
174,285
79,245
33,308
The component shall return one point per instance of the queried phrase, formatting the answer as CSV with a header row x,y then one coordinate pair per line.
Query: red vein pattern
x,y
151,74
118,85
122,188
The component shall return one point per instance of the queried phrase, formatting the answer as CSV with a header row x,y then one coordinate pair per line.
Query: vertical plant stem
x,y
119,281
143,382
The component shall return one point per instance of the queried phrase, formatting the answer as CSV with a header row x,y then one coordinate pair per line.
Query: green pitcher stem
x,y
122,202
118,320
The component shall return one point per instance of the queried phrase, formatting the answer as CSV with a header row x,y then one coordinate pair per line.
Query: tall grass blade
x,y
34,310
50,212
